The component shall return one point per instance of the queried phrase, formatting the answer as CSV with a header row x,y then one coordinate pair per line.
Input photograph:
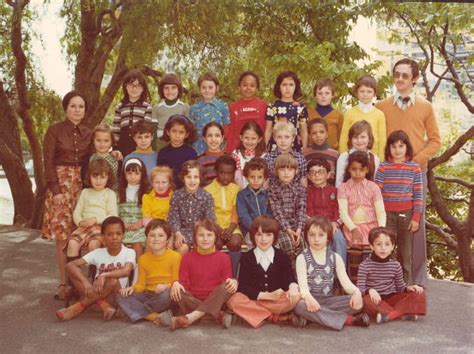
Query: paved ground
x,y
28,324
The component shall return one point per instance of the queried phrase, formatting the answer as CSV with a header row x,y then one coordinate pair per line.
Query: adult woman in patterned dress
x,y
66,144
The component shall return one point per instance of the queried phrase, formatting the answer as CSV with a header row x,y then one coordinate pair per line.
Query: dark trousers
x,y
211,306
399,221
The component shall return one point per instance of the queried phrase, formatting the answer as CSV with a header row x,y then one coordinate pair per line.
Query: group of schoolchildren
x,y
318,194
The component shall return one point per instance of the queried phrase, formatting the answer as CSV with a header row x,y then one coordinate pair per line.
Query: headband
x,y
137,161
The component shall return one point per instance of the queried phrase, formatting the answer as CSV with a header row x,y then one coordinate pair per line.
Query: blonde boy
x,y
284,134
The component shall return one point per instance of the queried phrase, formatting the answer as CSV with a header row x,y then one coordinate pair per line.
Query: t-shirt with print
x,y
105,262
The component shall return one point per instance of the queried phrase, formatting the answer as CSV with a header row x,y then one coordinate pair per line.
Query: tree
x,y
438,30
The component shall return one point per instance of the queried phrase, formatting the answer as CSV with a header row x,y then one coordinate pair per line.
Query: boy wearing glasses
x,y
415,116
322,200
318,147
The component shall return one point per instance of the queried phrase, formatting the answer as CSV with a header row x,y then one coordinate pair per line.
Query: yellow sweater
x,y
376,119
154,207
419,122
157,269
225,203
334,120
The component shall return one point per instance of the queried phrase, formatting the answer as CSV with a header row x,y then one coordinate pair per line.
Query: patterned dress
x,y
293,112
130,212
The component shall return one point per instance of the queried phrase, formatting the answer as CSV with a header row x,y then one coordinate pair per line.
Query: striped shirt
x,y
208,161
386,277
402,187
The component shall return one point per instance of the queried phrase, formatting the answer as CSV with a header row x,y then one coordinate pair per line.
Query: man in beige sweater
x,y
414,115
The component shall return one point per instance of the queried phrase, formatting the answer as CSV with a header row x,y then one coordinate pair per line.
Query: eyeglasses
x,y
317,172
134,86
405,76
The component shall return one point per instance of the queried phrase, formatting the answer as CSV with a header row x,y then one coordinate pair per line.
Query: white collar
x,y
264,258
365,107
163,103
397,96
131,192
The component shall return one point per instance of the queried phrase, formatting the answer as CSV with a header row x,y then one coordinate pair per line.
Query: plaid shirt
x,y
288,204
272,156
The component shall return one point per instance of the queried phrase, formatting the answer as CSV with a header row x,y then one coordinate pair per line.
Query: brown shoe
x,y
179,322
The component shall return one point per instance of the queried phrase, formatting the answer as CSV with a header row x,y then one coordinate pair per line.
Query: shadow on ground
x,y
28,324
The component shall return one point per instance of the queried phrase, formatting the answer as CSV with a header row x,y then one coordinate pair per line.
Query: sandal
x,y
61,292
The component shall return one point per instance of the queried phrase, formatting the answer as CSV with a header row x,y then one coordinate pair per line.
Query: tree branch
x,y
449,239
453,149
455,180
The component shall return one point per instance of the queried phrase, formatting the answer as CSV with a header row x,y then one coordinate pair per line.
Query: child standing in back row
x,y
209,109
366,89
132,109
170,90
287,109
324,91
248,109
399,179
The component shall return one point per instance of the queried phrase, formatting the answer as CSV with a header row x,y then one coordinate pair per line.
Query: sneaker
x,y
361,320
179,322
225,319
297,321
68,313
381,318
409,318
164,318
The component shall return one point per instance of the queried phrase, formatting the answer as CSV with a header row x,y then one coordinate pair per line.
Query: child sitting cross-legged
x,y
224,193
322,200
267,286
252,201
114,264
288,204
316,268
380,279
158,268
205,280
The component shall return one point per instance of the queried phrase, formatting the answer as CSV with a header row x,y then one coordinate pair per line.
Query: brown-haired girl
x,y
189,204
133,108
365,90
360,139
133,185
94,205
170,90
287,108
205,279
179,132
267,286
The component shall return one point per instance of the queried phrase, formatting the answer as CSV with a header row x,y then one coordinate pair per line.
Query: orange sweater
x,y
417,121
334,120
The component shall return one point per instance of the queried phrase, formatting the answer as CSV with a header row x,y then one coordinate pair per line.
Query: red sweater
x,y
201,274
241,112
323,201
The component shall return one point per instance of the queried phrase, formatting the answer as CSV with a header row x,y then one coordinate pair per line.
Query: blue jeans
x,y
339,245
139,305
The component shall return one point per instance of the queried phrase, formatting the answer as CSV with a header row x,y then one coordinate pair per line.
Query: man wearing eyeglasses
x,y
414,115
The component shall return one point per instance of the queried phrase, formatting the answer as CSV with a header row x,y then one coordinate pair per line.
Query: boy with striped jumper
x,y
380,279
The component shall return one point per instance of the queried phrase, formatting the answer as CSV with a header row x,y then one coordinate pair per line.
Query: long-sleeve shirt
x,y
251,204
253,279
271,157
200,274
156,207
418,121
202,113
65,144
225,203
95,204
402,187
360,203
383,275
288,204
174,157
186,208
323,201
157,269
334,119
320,258
375,118
126,115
